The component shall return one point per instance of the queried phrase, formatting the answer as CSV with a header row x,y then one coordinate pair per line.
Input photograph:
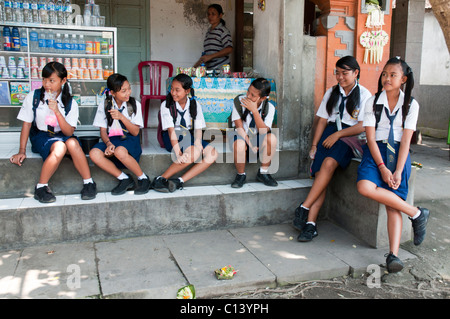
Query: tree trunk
x,y
441,10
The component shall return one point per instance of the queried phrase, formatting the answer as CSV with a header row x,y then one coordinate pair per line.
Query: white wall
x,y
435,65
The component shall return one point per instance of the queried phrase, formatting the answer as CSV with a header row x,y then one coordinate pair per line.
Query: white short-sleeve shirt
x,y
135,118
268,120
349,119
26,112
167,119
382,132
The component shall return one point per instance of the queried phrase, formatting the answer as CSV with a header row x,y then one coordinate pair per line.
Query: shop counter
x,y
216,96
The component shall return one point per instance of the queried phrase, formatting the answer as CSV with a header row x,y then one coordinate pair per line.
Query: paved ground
x,y
270,262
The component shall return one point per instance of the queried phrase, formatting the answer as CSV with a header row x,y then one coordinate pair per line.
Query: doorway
x,y
243,58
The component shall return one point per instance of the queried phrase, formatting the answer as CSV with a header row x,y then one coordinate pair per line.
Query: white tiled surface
x,y
75,199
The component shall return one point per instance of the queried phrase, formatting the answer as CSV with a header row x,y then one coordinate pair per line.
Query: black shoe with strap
x,y
178,184
143,186
239,181
89,191
163,185
123,186
393,263
267,179
308,233
420,225
44,195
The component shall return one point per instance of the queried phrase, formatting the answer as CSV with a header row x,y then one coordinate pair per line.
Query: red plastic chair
x,y
157,85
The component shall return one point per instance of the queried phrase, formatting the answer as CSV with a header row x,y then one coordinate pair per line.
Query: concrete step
x,y
25,221
18,181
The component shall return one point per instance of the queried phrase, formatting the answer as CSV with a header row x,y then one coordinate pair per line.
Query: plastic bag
x,y
116,129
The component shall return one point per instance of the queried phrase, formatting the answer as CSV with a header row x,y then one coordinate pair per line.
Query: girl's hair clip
x,y
193,97
106,90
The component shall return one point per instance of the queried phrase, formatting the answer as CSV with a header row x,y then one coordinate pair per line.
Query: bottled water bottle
x,y
81,45
9,16
18,10
43,11
42,42
35,11
68,11
2,10
59,12
34,40
50,42
27,16
23,40
74,44
66,44
58,44
52,12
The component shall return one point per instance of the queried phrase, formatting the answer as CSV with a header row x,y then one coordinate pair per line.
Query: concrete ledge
x,y
362,217
25,221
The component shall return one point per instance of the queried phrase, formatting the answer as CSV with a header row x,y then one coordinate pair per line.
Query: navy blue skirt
x,y
130,142
368,170
184,143
43,141
340,151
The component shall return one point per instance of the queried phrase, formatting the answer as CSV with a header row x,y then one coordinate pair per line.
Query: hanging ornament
x,y
375,17
373,43
262,5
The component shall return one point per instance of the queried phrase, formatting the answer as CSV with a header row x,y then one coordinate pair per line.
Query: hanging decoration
x,y
262,5
374,40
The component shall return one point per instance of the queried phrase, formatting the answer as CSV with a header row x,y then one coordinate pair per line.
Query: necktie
x,y
341,106
182,121
390,149
252,123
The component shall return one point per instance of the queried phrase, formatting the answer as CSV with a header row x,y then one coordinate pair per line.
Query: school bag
x,y
243,115
173,113
36,100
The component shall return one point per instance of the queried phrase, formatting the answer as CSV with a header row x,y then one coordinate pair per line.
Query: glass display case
x,y
88,53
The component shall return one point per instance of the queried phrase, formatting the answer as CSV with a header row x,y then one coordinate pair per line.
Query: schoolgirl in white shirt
x,y
116,152
50,116
386,166
182,123
328,149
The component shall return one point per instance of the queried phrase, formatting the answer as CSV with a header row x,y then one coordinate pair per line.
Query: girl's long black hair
x,y
409,85
347,63
186,83
114,83
61,72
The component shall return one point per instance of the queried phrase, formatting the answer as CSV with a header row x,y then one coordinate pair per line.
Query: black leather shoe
x,y
123,186
177,182
163,185
308,233
419,225
301,217
89,191
239,181
393,263
143,186
267,179
44,195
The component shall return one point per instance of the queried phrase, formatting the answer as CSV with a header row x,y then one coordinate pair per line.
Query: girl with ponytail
x,y
50,117
386,165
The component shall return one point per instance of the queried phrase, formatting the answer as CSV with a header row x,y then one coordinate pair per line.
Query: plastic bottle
x,y
58,44
35,11
67,11
51,8
50,42
43,11
18,10
15,39
23,40
34,40
66,44
27,16
59,12
81,45
2,10
6,39
9,17
42,41
74,44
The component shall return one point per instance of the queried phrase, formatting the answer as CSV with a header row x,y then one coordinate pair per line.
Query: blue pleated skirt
x,y
368,170
130,142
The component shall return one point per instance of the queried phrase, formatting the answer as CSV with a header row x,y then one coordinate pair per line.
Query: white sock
x,y
241,173
416,215
312,223
143,176
263,171
181,180
122,176
87,181
41,185
304,207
